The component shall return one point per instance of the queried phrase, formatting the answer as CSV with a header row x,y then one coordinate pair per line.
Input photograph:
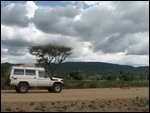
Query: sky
x,y
97,31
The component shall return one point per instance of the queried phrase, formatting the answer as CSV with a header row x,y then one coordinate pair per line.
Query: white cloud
x,y
26,59
107,4
91,3
4,51
115,58
14,15
31,7
138,43
106,31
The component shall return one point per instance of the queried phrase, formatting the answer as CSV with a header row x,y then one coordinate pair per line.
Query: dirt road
x,y
73,94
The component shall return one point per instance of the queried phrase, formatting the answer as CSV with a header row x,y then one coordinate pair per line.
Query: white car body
x,y
33,76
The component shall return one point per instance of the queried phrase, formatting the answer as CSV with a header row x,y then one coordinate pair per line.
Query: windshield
x,y
43,74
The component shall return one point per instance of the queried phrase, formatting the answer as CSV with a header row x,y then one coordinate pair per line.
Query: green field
x,y
104,83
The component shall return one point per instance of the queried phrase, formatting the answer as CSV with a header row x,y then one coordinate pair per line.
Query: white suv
x,y
24,78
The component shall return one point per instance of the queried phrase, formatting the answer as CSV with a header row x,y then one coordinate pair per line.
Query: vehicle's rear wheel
x,y
57,87
50,89
23,87
17,90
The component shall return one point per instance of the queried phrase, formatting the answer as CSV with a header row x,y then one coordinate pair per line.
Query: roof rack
x,y
28,65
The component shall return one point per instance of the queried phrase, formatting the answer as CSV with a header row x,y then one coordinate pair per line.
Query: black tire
x,y
57,87
23,87
17,90
50,89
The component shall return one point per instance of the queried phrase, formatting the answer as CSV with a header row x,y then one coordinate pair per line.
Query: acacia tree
x,y
50,56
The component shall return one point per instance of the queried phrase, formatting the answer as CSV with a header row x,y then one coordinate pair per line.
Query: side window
x,y
30,72
43,74
18,72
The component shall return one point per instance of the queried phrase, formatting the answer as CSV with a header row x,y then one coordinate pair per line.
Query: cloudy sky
x,y
101,31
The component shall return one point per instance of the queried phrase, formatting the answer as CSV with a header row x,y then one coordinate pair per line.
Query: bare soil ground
x,y
97,99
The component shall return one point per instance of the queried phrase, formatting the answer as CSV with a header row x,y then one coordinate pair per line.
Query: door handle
x,y
14,78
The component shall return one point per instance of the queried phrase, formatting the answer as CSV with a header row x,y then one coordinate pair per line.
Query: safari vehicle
x,y
25,78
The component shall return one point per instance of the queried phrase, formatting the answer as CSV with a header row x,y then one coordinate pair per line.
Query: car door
x,y
43,79
31,77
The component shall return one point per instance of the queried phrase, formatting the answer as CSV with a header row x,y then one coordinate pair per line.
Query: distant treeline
x,y
99,67
91,68
104,70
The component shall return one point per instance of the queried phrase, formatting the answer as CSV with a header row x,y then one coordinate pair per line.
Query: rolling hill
x,y
99,67
95,67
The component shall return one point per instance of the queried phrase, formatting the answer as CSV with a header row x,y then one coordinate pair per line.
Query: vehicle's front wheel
x,y
23,87
57,87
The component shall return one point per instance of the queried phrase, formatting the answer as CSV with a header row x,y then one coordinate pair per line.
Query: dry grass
x,y
130,105
78,100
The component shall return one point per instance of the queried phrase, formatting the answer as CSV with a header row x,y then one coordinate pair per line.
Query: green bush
x,y
77,75
93,84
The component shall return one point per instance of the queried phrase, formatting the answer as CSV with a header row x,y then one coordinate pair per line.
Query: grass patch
x,y
53,103
109,101
101,106
133,101
83,103
37,108
40,107
128,108
17,108
21,110
64,107
137,98
58,102
91,83
93,102
8,109
60,110
92,106
32,103
72,104
119,107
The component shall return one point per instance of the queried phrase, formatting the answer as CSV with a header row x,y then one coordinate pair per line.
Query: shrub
x,y
80,85
92,106
110,77
77,75
93,84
